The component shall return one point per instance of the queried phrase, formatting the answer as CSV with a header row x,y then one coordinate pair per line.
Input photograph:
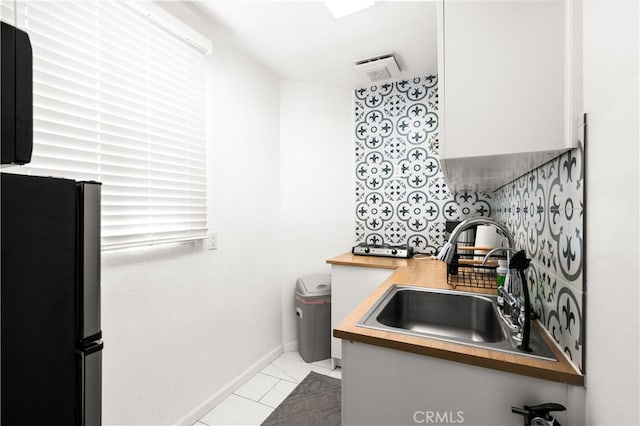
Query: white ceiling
x,y
301,41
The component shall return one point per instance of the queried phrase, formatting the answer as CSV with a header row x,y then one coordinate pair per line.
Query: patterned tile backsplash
x,y
401,197
544,211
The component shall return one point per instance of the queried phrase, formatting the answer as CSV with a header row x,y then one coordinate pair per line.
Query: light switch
x,y
213,241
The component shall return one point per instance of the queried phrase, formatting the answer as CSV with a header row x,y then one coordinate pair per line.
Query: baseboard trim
x,y
227,390
290,346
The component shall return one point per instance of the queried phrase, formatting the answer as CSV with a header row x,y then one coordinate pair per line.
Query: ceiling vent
x,y
381,67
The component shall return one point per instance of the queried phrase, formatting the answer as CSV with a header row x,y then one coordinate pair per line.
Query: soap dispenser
x,y
501,274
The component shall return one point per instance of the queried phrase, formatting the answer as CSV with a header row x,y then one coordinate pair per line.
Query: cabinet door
x,y
384,386
503,77
350,285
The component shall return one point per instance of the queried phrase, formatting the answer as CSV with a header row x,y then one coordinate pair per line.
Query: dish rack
x,y
467,270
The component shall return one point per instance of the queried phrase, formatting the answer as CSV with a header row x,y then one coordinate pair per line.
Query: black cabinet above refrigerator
x,y
16,94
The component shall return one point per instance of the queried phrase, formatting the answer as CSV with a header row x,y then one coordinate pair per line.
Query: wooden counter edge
x,y
465,357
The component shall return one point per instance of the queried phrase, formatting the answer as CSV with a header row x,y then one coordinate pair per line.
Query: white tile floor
x,y
252,403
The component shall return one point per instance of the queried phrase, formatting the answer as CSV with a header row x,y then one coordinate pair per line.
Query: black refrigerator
x,y
50,343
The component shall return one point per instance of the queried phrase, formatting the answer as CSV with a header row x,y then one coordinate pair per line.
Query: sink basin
x,y
449,315
454,316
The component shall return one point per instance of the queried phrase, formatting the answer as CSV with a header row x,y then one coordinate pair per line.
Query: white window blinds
x,y
120,100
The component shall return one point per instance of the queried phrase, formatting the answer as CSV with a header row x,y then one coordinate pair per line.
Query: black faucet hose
x,y
520,262
526,327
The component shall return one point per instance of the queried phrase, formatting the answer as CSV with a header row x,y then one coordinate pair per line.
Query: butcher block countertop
x,y
432,273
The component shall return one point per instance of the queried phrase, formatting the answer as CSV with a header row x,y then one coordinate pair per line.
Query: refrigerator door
x,y
39,300
91,403
89,226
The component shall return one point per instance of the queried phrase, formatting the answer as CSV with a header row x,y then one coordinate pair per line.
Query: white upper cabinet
x,y
506,88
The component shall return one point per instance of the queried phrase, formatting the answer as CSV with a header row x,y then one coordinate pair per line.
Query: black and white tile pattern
x,y
401,195
544,210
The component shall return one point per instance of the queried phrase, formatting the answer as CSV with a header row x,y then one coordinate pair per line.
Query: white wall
x,y
180,323
316,178
611,49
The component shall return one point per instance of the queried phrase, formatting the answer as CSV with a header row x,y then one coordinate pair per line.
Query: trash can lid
x,y
314,285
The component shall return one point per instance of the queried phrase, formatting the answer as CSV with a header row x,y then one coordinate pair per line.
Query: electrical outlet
x,y
213,241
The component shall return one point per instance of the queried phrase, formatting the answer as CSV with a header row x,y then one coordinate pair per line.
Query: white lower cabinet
x,y
383,386
350,285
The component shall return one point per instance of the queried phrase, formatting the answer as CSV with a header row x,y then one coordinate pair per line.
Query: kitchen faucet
x,y
519,262
448,250
522,315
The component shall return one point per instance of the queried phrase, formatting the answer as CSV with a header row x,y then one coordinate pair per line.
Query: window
x,y
120,99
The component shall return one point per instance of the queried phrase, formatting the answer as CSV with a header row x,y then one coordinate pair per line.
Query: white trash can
x,y
313,308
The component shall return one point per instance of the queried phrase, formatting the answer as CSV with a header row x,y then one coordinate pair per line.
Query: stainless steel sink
x,y
454,316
